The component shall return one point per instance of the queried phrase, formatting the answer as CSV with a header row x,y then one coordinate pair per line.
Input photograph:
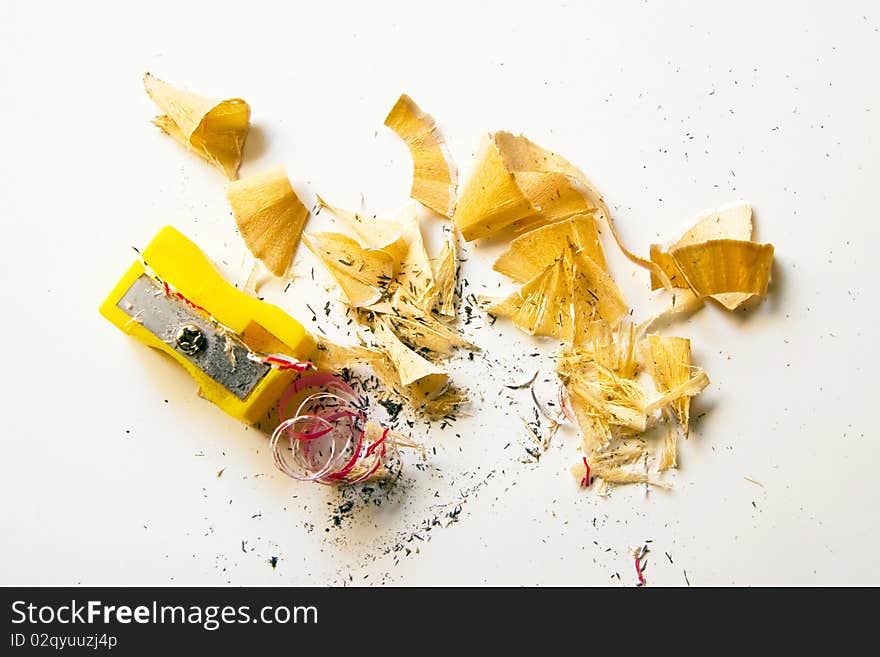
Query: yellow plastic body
x,y
263,327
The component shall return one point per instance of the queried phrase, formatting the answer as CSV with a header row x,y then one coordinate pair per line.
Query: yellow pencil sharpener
x,y
175,300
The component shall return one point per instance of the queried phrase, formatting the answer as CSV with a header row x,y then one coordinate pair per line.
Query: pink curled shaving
x,y
322,434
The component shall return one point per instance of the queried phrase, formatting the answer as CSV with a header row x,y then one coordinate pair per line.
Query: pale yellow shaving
x,y
669,450
413,284
270,217
445,273
373,232
529,156
625,454
614,401
718,268
531,253
621,476
611,346
594,294
491,200
517,185
730,222
669,360
363,274
690,388
435,178
610,467
427,333
430,394
410,367
216,130
602,383
683,302
443,404
422,394
258,277
427,394
664,261
332,357
415,280
599,378
398,309
540,307
561,300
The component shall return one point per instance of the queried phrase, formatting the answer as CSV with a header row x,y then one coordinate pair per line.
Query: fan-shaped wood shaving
x,y
270,217
435,178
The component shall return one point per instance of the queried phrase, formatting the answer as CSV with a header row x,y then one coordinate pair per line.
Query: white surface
x,y
670,108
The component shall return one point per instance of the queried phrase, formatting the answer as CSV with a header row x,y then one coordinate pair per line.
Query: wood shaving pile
x,y
405,301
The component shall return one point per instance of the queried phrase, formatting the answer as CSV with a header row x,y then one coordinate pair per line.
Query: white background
x,y
670,108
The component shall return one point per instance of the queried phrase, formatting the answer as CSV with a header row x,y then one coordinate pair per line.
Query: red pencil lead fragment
x,y
585,482
374,445
638,555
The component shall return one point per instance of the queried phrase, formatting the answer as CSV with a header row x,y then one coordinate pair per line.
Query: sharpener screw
x,y
190,339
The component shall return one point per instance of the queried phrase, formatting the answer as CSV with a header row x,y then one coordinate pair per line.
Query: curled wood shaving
x,y
424,395
435,178
517,185
371,231
684,302
714,251
729,271
363,274
431,395
333,357
412,285
215,130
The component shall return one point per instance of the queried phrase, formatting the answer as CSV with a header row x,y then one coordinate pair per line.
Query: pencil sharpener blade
x,y
216,353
